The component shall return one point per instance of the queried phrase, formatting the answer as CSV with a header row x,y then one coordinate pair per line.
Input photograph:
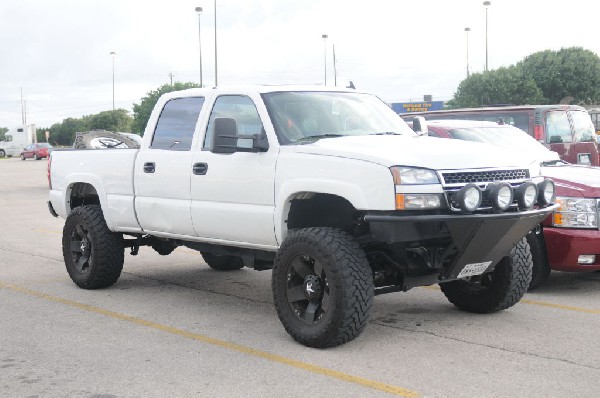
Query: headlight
x,y
501,196
413,176
418,201
526,195
469,197
576,213
546,192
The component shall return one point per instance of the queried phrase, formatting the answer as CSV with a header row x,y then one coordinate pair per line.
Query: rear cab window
x,y
558,128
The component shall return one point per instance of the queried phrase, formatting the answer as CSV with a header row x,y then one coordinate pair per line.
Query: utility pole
x,y
171,77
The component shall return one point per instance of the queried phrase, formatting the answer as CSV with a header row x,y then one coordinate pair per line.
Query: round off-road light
x,y
546,192
526,195
501,196
469,197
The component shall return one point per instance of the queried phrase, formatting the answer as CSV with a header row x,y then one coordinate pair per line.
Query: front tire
x,y
2,153
222,263
22,157
497,290
322,287
541,269
93,254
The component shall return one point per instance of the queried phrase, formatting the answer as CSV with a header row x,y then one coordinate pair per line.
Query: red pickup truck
x,y
569,239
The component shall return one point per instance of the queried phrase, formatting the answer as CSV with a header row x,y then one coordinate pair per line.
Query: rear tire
x,y
2,153
93,254
497,290
222,263
541,269
322,287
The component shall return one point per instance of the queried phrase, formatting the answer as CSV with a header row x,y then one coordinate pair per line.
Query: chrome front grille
x,y
484,176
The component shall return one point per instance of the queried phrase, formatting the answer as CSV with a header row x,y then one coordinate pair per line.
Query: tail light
x,y
538,133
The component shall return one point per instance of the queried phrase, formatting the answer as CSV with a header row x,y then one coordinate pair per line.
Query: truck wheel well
x,y
83,194
320,210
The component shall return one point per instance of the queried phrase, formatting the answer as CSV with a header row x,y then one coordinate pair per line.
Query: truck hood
x,y
419,151
574,180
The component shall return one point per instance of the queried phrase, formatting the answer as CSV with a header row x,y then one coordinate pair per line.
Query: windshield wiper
x,y
318,137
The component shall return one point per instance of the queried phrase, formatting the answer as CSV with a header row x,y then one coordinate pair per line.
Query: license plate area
x,y
474,269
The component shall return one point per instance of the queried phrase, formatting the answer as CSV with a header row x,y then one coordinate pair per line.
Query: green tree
x,y
571,73
142,111
2,131
501,86
117,120
64,133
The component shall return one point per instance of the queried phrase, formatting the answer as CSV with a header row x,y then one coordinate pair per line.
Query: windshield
x,y
505,136
44,145
305,116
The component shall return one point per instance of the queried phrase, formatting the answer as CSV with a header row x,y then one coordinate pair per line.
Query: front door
x,y
233,195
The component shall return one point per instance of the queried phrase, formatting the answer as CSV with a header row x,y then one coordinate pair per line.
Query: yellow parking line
x,y
375,385
561,307
542,304
48,231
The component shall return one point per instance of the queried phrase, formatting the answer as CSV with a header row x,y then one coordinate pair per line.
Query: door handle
x,y
200,169
149,167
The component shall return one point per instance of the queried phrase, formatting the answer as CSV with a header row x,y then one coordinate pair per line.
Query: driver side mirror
x,y
419,125
227,140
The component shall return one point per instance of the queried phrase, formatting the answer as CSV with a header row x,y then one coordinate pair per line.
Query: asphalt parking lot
x,y
171,326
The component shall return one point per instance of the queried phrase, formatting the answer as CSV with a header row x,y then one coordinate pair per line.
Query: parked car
x,y
569,240
36,151
565,129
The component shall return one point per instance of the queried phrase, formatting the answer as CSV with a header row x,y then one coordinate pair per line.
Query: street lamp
x,y
325,56
215,43
113,54
199,12
467,30
486,4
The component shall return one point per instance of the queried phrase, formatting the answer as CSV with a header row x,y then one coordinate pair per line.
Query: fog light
x,y
546,192
586,259
526,195
501,196
469,197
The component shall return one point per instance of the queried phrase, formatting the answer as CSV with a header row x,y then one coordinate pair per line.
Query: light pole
x,y
467,30
113,54
215,43
199,12
325,56
486,4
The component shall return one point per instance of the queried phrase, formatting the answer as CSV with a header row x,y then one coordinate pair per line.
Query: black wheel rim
x,y
81,248
307,289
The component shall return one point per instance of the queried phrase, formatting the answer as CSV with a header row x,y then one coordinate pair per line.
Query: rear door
x,y
163,170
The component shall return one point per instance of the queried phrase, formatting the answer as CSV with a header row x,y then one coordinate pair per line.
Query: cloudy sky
x,y
57,52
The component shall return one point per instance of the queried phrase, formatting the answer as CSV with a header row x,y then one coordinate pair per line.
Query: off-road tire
x,y
84,141
334,259
503,287
99,264
222,263
541,268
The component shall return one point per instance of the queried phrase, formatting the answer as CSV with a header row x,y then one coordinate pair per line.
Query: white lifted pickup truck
x,y
329,188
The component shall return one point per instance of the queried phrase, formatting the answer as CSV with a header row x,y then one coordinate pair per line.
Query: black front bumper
x,y
476,238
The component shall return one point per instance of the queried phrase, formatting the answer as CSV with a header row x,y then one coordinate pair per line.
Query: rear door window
x,y
176,124
558,128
